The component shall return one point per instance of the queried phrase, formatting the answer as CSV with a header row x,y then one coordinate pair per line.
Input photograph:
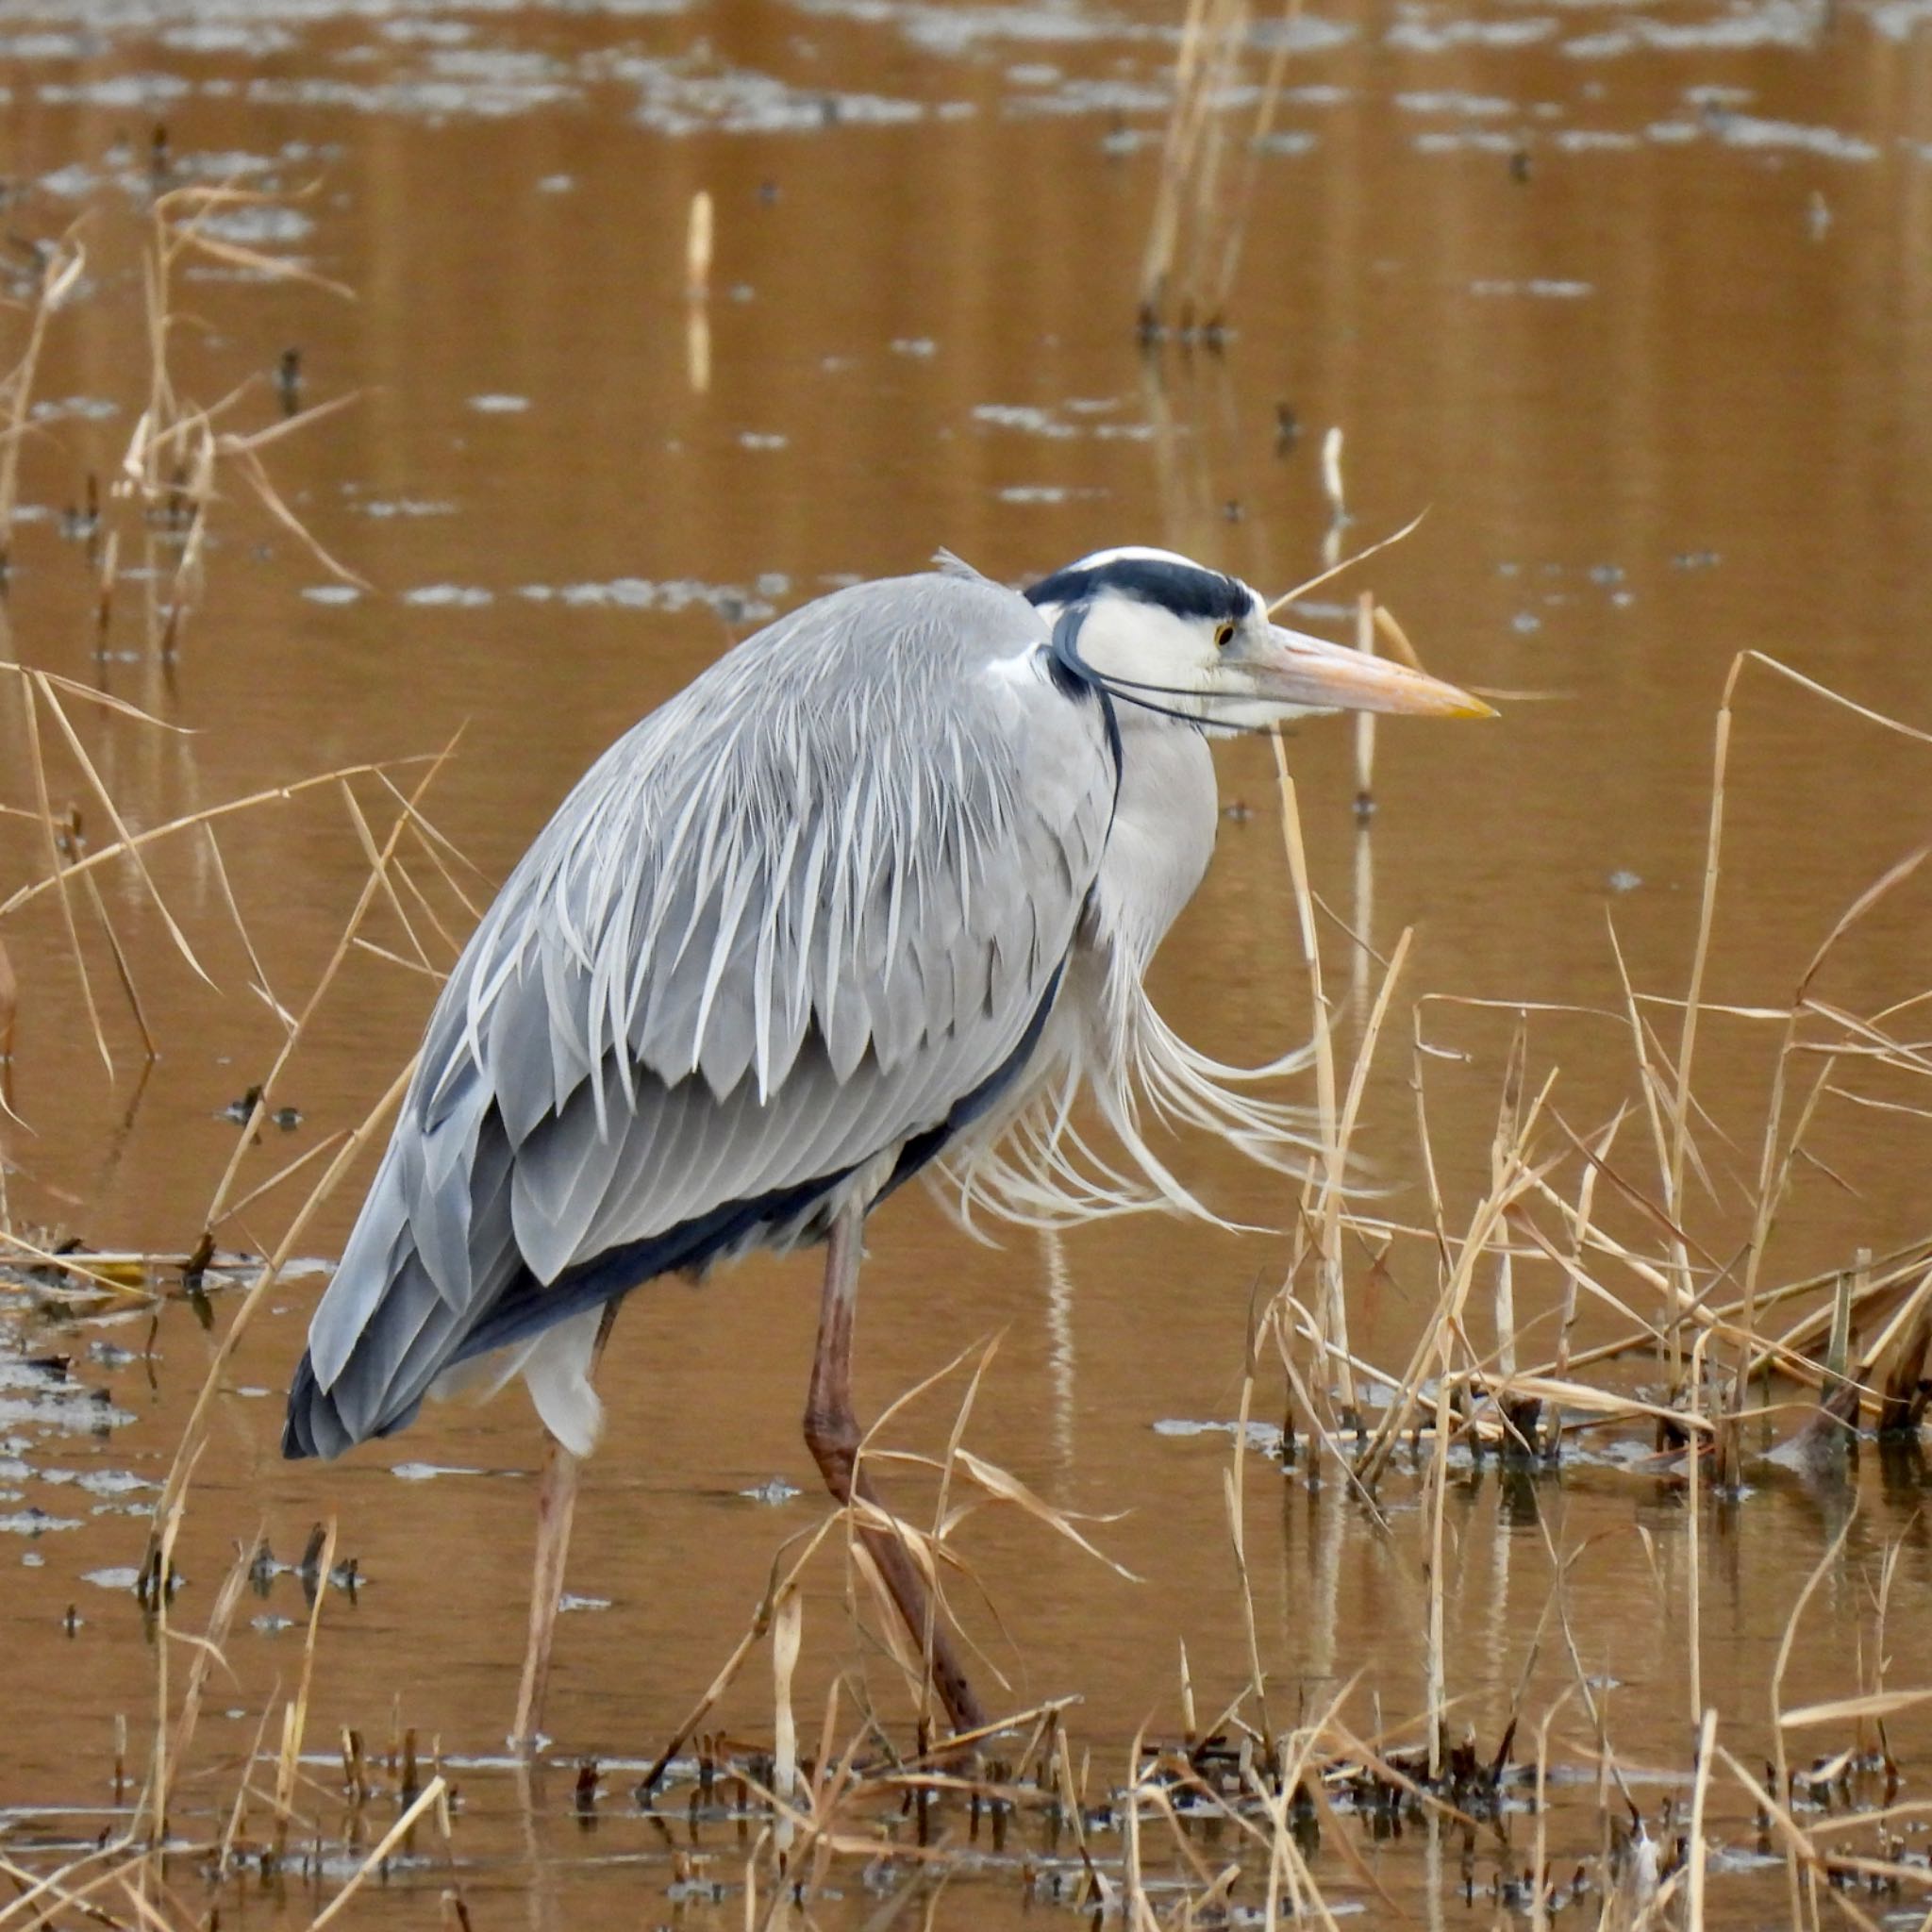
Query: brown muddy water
x,y
1635,301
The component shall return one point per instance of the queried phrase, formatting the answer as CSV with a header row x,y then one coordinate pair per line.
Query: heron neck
x,y
1163,835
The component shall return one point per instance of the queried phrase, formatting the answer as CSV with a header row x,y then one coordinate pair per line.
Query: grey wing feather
x,y
784,924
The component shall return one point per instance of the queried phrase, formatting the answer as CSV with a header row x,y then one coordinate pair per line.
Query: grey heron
x,y
872,897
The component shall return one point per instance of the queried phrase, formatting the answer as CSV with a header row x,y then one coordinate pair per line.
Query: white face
x,y
1166,634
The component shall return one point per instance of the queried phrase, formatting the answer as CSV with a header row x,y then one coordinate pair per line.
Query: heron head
x,y
1171,635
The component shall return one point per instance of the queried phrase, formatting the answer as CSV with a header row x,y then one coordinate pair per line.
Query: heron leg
x,y
833,1436
556,1504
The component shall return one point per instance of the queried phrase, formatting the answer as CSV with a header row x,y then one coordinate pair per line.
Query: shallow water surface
x,y
1633,301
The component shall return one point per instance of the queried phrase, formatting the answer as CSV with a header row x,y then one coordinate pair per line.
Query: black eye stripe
x,y
1185,589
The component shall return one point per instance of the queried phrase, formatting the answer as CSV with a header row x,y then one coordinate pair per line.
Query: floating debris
x,y
460,596
1543,287
774,1492
736,604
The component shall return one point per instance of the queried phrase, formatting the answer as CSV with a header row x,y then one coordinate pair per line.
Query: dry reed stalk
x,y
1337,502
1365,613
698,240
1693,1535
60,1889
433,1796
174,1489
1334,567
1331,1445
1446,1318
1700,959
124,971
1236,231
1234,1493
1902,1265
381,864
62,267
786,1633
1586,1195
208,1652
40,683
1139,1914
1800,1894
1539,1847
776,1589
1504,1143
1776,1168
56,877
295,1714
1227,33
1905,1340
285,1019
1802,1851
1331,1335
1434,1653
88,1267
1700,1792
9,1008
954,1447
264,1097
149,1824
1179,147
1294,1759
1151,1789
172,460
1847,1710
1331,1306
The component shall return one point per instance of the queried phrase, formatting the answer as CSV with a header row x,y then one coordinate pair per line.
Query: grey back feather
x,y
782,924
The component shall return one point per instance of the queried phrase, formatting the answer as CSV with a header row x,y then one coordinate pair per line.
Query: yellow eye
x,y
1224,636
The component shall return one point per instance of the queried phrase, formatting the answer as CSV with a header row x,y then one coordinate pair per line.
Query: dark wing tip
x,y
311,1426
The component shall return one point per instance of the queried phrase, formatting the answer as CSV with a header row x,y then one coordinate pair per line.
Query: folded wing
x,y
780,940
